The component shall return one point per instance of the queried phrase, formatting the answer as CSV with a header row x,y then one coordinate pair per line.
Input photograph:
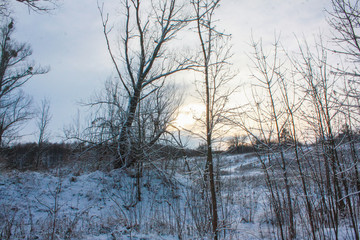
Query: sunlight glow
x,y
188,115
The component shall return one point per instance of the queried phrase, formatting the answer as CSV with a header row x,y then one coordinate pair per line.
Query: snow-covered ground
x,y
73,202
66,203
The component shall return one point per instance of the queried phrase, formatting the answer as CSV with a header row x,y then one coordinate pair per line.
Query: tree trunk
x,y
124,158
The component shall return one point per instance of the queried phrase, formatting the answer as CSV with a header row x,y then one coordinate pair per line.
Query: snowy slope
x,y
63,204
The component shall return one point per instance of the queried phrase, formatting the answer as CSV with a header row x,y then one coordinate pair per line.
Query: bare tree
x,y
309,163
42,123
15,71
272,123
144,60
14,111
321,87
108,110
215,73
344,18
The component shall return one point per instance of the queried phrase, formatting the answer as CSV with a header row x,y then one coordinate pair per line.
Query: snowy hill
x,y
63,204
167,200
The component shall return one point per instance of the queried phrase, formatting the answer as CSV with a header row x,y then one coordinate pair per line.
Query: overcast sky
x,y
70,41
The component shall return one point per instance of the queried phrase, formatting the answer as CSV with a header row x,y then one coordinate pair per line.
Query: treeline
x,y
31,156
25,156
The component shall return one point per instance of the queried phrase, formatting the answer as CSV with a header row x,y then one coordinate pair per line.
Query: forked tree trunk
x,y
124,140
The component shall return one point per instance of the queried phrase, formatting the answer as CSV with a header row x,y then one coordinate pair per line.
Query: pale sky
x,y
70,41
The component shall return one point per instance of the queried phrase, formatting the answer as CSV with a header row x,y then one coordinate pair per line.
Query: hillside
x,y
75,202
69,203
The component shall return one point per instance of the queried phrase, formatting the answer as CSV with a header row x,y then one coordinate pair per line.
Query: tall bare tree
x,y
215,73
15,71
144,59
271,122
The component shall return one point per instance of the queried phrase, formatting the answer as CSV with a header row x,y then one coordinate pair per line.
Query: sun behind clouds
x,y
188,114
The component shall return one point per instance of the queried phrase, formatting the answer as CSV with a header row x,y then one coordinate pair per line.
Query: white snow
x,y
67,203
